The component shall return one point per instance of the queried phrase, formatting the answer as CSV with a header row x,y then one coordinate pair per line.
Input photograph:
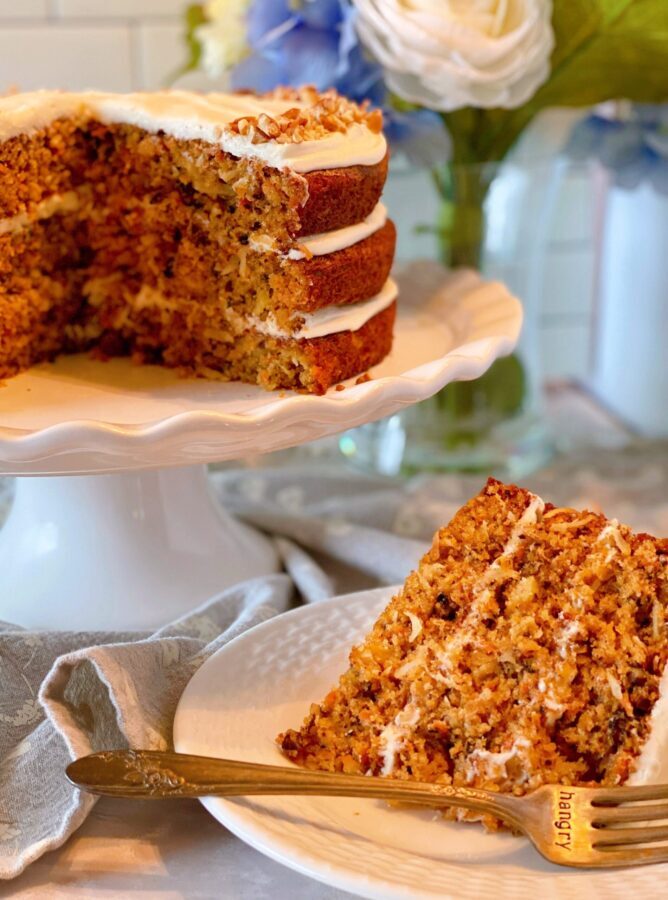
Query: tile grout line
x,y
53,19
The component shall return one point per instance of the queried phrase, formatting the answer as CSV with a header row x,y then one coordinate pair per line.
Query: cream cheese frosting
x,y
192,116
332,241
51,206
329,241
331,319
651,767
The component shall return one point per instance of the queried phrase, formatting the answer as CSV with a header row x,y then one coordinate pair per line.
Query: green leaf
x,y
605,50
194,16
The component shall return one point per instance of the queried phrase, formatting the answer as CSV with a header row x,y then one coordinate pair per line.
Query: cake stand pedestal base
x,y
121,552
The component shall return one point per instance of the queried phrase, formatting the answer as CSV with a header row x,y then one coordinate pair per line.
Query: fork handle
x,y
157,775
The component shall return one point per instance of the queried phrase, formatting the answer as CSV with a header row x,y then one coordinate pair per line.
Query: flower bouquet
x,y
458,81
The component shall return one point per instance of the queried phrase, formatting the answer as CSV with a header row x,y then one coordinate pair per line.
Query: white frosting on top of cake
x,y
192,116
331,319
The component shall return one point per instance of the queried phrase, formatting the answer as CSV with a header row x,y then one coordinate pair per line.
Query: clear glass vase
x,y
494,217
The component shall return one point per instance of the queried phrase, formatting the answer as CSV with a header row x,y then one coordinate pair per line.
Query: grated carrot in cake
x,y
529,647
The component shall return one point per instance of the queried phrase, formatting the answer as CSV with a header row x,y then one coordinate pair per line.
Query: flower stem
x,y
463,191
471,407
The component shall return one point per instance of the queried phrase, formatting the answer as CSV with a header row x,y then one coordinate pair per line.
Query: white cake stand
x,y
118,537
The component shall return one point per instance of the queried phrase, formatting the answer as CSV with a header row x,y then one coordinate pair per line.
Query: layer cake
x,y
230,236
529,647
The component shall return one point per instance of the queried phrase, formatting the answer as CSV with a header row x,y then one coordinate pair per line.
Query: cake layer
x,y
243,196
66,286
310,365
327,242
293,282
40,292
529,647
195,251
331,319
127,245
295,128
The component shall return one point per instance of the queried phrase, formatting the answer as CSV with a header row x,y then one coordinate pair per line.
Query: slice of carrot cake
x,y
529,647
232,236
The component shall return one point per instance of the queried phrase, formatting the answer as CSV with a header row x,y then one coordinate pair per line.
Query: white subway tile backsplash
x,y
23,9
568,281
105,9
565,350
75,58
160,51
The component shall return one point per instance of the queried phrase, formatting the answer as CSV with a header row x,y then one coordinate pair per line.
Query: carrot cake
x,y
228,235
529,647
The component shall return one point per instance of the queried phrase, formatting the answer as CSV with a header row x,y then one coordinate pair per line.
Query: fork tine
x,y
623,836
643,812
615,856
615,795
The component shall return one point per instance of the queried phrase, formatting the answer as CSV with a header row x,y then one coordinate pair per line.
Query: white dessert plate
x,y
262,683
79,415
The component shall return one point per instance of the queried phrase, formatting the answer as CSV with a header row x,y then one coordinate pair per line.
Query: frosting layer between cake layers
x,y
332,319
327,242
191,116
312,245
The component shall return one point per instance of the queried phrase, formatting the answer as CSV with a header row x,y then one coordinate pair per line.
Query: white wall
x,y
126,45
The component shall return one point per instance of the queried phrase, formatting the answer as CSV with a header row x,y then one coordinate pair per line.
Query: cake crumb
x,y
508,660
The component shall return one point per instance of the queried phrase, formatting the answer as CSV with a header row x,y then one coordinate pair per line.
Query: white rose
x,y
445,54
223,37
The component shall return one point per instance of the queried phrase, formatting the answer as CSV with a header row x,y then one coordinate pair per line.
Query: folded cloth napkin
x,y
63,695
103,691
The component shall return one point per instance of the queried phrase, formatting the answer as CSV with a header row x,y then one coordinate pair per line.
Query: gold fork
x,y
570,826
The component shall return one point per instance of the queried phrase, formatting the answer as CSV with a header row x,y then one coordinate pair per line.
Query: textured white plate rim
x,y
552,881
481,340
334,876
331,875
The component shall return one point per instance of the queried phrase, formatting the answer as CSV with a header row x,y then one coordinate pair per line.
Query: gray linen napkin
x,y
121,693
63,695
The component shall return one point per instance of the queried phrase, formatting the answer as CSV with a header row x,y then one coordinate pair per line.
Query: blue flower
x,y
634,149
296,42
